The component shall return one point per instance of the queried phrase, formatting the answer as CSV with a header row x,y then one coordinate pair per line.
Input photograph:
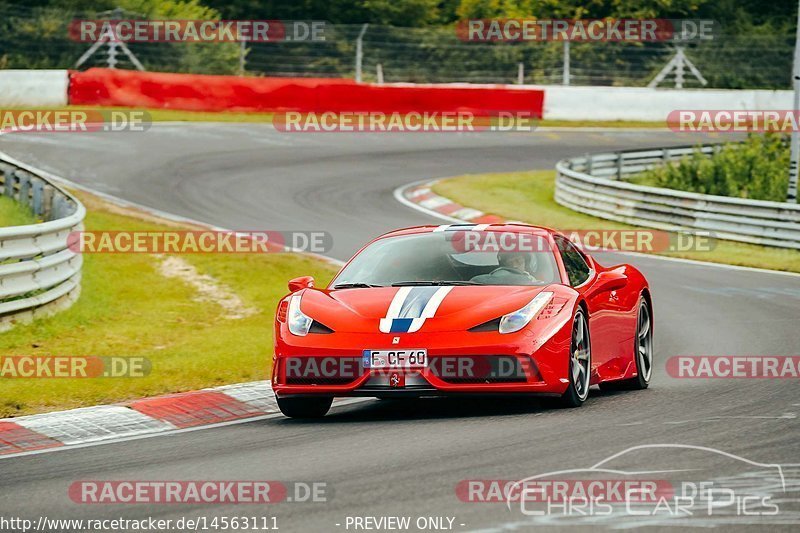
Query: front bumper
x,y
531,366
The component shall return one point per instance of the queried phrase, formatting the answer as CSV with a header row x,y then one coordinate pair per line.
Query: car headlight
x,y
299,323
520,318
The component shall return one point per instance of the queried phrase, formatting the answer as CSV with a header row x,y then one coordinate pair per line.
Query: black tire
x,y
580,353
642,353
305,407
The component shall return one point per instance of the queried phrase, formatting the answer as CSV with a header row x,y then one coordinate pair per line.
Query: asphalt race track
x,y
396,458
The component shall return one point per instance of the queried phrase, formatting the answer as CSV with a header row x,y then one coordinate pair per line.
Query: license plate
x,y
395,358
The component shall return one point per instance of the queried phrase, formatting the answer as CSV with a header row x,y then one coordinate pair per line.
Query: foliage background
x,y
414,40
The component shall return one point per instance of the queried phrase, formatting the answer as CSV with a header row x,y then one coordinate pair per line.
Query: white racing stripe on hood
x,y
411,306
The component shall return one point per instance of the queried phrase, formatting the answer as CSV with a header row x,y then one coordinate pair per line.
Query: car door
x,y
604,312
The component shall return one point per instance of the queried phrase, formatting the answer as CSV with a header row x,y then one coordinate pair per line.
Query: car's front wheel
x,y
580,363
305,407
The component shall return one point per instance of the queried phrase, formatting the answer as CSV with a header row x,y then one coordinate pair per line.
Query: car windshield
x,y
452,258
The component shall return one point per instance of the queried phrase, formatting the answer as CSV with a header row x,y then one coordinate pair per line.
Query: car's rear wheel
x,y
580,362
305,407
643,353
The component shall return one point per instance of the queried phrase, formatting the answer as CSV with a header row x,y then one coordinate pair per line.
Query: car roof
x,y
512,227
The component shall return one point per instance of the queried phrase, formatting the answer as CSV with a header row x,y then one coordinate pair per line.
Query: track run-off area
x,y
406,459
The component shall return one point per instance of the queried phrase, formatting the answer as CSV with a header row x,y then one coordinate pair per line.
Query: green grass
x,y
528,197
127,308
622,124
13,213
177,115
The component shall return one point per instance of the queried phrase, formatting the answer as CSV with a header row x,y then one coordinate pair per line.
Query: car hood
x,y
371,310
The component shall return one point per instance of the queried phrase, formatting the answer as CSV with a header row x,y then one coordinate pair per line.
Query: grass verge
x,y
176,115
128,308
528,197
13,213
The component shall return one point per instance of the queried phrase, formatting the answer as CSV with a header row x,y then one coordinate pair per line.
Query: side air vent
x,y
318,327
492,325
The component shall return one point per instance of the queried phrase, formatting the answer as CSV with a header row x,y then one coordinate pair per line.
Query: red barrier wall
x,y
230,93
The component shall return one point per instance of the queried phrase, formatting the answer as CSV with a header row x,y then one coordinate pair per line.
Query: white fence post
x,y
360,51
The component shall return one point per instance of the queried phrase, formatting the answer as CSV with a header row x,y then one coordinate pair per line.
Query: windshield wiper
x,y
356,286
434,283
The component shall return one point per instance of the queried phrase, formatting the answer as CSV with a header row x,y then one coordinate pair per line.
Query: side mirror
x,y
610,280
303,282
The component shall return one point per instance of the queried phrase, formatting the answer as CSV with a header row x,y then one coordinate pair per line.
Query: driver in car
x,y
514,269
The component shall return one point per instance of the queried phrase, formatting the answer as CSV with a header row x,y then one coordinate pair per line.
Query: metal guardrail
x,y
38,272
594,184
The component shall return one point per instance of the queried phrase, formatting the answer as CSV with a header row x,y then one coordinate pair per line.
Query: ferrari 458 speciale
x,y
463,309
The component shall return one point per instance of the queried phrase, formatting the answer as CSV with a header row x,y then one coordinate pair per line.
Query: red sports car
x,y
463,309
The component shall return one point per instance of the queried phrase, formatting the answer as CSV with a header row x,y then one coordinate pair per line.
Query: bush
x,y
757,168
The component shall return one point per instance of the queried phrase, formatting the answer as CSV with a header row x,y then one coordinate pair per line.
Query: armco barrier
x,y
38,272
651,105
52,88
33,88
593,185
232,93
